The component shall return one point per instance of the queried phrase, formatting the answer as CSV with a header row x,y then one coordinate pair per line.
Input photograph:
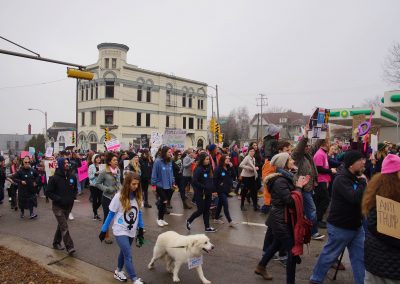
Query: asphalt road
x,y
237,250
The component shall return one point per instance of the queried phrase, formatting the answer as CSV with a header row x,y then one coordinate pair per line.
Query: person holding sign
x,y
344,221
125,209
382,252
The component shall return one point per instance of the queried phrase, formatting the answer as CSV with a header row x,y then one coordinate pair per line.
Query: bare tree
x,y
275,109
391,70
243,120
374,102
230,128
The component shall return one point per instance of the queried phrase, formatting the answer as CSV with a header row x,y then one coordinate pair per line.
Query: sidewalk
x,y
57,262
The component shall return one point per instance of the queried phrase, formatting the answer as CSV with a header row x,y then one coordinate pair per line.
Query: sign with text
x,y
175,138
195,262
83,171
319,124
388,216
113,145
144,142
50,168
156,139
49,152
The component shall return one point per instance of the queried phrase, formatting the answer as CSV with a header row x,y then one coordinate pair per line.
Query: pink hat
x,y
244,149
391,164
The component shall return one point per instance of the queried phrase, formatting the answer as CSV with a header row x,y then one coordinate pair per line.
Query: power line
x,y
32,85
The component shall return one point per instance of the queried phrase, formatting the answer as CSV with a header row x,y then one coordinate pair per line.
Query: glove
x,y
102,236
140,238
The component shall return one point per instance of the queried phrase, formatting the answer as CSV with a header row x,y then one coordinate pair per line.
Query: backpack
x,y
301,226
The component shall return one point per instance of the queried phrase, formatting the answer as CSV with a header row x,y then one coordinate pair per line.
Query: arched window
x,y
200,144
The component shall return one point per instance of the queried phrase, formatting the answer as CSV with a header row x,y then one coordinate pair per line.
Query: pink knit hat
x,y
391,164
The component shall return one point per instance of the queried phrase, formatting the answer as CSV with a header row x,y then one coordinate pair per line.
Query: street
x,y
237,250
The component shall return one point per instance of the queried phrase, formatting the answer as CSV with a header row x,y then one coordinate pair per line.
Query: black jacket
x,y
202,181
381,252
62,189
224,179
146,167
347,193
280,187
29,176
2,176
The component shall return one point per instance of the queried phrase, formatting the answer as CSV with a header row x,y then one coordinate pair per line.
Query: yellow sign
x,y
388,216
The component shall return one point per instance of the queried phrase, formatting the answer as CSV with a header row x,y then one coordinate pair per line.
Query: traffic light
x,y
107,136
212,125
220,138
79,74
73,137
217,128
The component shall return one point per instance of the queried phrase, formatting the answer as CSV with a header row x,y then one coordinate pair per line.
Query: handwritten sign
x,y
156,139
195,262
31,151
83,171
113,145
49,152
50,168
319,124
388,216
175,138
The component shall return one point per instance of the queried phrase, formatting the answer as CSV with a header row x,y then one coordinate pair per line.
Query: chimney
x,y
29,129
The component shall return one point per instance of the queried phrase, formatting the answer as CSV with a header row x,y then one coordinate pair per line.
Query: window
x,y
93,117
148,95
82,93
138,119
167,121
201,124
114,63
106,63
83,119
87,92
184,100
202,104
198,104
91,91
191,123
109,117
139,93
109,89
190,101
16,145
97,91
184,123
148,119
168,99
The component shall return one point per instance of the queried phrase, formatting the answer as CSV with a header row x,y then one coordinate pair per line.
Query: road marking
x,y
176,214
254,224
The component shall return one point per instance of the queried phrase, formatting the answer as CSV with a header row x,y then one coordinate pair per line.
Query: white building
x,y
131,101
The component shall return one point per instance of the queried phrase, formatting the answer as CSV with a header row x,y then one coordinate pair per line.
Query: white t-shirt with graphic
x,y
125,223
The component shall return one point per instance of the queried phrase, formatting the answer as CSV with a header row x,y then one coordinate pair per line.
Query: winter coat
x,y
108,183
347,192
223,179
162,175
280,185
305,164
93,174
2,176
202,181
146,167
62,189
187,166
381,252
26,193
248,167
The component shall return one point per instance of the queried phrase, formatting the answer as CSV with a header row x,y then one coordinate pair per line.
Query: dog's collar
x,y
180,247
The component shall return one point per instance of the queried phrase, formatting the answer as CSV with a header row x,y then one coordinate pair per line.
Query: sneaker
x,y
138,281
120,276
96,218
58,247
71,217
317,236
71,251
218,221
33,216
210,230
188,225
160,223
165,223
233,223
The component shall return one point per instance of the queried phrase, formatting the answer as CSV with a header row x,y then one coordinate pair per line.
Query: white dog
x,y
177,249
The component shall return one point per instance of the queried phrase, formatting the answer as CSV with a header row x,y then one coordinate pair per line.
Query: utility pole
x,y
261,101
216,95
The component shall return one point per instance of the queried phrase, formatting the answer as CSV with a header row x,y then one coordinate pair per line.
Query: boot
x,y
186,204
263,272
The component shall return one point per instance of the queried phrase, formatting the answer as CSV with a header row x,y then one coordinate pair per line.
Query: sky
x,y
301,54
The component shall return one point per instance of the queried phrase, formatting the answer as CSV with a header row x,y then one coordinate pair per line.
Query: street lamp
x,y
45,123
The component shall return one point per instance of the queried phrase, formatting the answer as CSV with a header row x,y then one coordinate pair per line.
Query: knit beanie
x,y
212,147
94,157
351,157
280,160
391,164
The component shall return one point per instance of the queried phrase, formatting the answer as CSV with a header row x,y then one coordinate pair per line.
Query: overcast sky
x,y
301,54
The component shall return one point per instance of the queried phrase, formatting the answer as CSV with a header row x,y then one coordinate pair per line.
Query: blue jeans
x,y
338,240
223,202
310,210
125,256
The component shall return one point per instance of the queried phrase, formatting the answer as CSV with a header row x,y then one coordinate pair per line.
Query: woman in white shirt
x,y
249,177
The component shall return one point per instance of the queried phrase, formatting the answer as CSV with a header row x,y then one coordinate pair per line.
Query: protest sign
x,y
113,145
83,171
31,151
156,139
175,138
49,152
388,216
144,142
50,168
319,124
